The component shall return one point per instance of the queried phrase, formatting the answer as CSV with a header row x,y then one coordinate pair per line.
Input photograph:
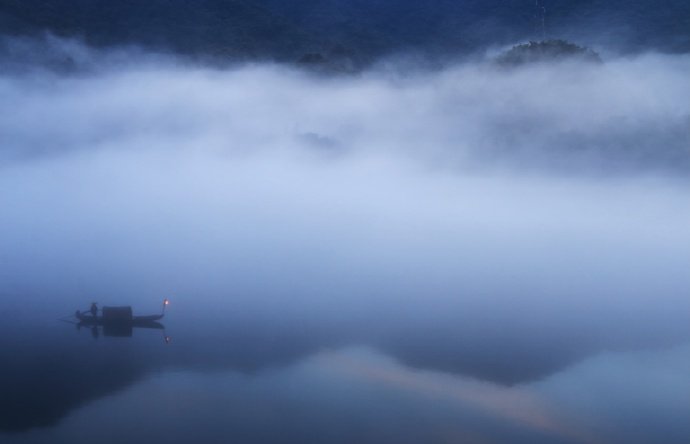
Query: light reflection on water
x,y
500,264
334,379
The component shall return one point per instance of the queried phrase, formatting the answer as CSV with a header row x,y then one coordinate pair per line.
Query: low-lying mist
x,y
547,187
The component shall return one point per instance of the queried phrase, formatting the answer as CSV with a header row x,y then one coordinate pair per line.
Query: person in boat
x,y
94,310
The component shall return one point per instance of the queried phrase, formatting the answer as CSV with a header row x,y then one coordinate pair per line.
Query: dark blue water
x,y
337,273
462,317
397,372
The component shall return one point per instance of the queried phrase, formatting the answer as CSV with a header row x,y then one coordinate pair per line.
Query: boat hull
x,y
137,321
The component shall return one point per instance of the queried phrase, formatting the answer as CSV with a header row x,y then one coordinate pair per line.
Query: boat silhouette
x,y
118,315
118,321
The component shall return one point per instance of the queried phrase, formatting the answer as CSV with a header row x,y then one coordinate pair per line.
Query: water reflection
x,y
497,367
123,330
358,394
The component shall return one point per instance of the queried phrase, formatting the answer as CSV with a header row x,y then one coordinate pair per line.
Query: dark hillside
x,y
287,30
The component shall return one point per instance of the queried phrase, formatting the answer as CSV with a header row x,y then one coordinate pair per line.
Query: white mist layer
x,y
474,183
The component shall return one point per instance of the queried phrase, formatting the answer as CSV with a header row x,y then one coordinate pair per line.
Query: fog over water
x,y
454,231
532,172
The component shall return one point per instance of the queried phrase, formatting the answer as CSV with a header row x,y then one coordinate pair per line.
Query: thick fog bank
x,y
555,185
626,115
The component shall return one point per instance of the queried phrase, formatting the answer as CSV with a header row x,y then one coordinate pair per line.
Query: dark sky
x,y
286,30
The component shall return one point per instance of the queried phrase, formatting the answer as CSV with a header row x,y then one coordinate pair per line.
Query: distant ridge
x,y
546,51
288,30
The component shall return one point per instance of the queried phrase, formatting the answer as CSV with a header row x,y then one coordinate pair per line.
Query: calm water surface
x,y
408,371
338,270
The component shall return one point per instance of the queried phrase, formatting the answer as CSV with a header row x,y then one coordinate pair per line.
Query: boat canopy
x,y
121,314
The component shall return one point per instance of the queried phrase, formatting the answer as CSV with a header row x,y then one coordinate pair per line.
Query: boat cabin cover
x,y
121,314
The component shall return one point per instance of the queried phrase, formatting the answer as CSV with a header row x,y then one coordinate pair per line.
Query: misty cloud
x,y
472,179
628,114
483,230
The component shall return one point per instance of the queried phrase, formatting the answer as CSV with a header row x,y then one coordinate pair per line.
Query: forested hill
x,y
288,29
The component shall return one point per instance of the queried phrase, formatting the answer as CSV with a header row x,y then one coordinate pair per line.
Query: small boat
x,y
119,316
